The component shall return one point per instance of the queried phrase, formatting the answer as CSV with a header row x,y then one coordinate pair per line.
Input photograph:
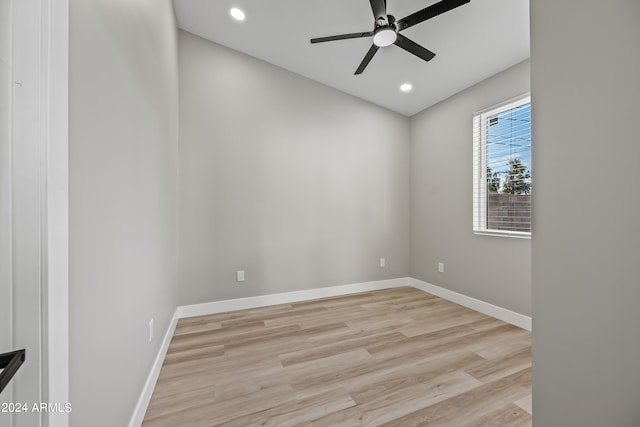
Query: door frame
x,y
6,287
41,27
55,250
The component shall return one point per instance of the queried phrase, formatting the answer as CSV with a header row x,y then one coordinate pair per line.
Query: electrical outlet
x,y
240,276
383,262
151,330
440,267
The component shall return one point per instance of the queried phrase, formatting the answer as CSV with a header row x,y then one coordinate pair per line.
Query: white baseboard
x,y
503,314
149,386
286,297
500,313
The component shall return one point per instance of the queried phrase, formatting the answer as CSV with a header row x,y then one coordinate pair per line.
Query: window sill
x,y
499,233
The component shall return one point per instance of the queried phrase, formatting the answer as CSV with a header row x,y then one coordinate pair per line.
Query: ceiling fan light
x,y
384,36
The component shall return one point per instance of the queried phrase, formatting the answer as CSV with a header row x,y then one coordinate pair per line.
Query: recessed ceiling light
x,y
237,14
406,87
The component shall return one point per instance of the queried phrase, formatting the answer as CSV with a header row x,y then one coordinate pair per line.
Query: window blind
x,y
502,179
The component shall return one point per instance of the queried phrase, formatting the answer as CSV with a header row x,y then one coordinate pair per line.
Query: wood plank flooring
x,y
396,357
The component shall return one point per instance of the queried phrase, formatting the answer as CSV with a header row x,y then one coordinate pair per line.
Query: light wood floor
x,y
396,357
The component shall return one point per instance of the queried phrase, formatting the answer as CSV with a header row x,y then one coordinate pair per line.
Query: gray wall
x,y
123,197
296,183
493,269
586,248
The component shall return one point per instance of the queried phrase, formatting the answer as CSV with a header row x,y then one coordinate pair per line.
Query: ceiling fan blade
x,y
429,12
367,58
342,37
379,8
413,47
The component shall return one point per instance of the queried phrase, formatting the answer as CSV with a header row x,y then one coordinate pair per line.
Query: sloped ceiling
x,y
471,42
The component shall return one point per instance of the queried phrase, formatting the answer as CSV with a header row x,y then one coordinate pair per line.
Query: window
x,y
502,169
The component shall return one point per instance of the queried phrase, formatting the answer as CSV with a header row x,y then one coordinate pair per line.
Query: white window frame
x,y
479,202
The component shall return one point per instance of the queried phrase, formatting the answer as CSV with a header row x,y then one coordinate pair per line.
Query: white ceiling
x,y
471,42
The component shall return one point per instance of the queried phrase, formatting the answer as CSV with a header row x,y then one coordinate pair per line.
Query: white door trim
x,y
55,221
41,60
6,282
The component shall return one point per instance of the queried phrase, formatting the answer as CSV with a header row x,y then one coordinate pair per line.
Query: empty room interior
x,y
288,213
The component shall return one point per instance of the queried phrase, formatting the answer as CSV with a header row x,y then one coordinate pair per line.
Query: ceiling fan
x,y
386,29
